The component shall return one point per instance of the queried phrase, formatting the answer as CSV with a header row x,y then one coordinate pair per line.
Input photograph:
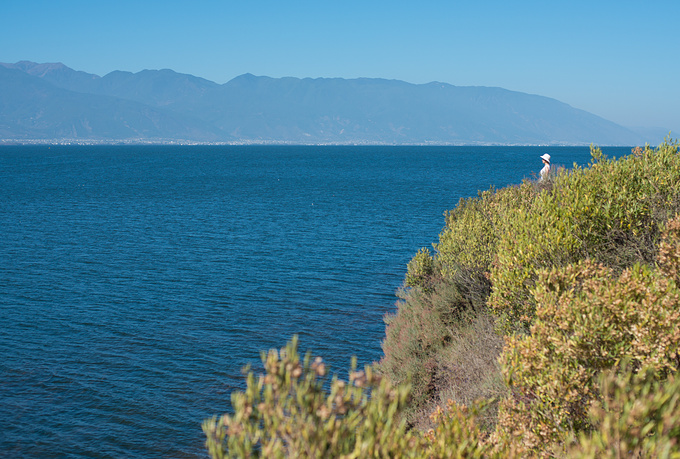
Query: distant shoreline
x,y
164,142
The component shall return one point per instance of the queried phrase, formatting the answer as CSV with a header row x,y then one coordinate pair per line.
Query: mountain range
x,y
53,101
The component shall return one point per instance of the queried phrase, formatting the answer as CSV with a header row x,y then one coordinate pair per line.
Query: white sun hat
x,y
546,157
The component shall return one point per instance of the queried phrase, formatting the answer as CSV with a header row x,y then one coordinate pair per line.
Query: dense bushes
x,y
493,246
611,212
639,417
635,415
587,321
288,412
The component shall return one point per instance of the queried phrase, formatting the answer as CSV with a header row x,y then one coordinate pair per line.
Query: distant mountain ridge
x,y
53,101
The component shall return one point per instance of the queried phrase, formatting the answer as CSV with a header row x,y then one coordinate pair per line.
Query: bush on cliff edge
x,y
493,246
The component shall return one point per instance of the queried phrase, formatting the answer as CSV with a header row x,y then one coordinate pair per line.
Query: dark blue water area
x,y
137,281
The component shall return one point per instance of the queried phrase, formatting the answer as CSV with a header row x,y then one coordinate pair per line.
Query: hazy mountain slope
x,y
162,88
394,111
31,108
323,110
59,75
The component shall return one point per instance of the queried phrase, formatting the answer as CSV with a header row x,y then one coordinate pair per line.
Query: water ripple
x,y
136,282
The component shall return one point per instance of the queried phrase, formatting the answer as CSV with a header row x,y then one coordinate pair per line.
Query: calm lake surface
x,y
137,281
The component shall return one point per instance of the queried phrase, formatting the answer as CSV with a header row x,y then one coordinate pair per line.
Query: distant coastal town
x,y
85,142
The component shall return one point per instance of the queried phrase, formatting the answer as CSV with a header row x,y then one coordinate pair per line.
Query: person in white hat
x,y
546,166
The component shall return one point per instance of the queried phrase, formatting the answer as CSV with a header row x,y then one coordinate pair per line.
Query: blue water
x,y
137,281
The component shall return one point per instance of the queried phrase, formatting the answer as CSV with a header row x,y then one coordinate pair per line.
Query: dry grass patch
x,y
467,370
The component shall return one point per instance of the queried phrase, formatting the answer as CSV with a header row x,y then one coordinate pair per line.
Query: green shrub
x,y
441,291
638,416
611,212
420,270
468,239
588,320
493,246
289,413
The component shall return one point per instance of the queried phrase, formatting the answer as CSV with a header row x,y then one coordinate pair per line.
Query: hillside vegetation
x,y
544,324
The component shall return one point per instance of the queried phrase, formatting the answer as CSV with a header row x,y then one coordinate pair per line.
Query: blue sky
x,y
617,59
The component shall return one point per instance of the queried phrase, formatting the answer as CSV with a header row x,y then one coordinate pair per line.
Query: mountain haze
x,y
52,101
31,108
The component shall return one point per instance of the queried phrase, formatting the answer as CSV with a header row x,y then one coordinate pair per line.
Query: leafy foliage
x,y
639,416
289,413
611,212
588,321
494,245
420,270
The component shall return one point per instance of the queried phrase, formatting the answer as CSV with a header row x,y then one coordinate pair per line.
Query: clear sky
x,y
617,59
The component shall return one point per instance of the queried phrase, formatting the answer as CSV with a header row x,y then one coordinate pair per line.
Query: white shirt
x,y
545,171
